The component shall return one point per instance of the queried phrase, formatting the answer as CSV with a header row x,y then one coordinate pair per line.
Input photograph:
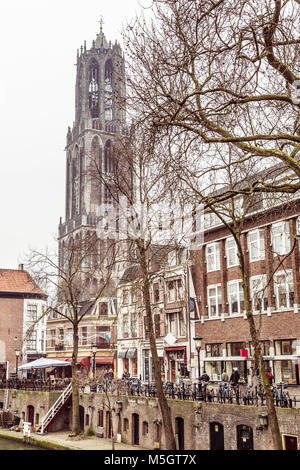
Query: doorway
x,y
108,425
81,418
244,437
216,432
30,414
135,429
179,430
290,442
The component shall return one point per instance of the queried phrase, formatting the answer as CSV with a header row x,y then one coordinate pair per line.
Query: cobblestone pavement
x,y
75,443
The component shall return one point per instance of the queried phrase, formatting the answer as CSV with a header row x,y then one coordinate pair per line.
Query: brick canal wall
x,y
139,420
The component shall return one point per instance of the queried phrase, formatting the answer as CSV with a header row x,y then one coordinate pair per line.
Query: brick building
x,y
98,327
170,310
268,235
22,303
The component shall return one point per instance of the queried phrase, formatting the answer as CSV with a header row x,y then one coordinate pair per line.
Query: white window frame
x,y
228,249
262,291
288,274
215,256
175,323
217,294
238,293
179,323
259,241
281,240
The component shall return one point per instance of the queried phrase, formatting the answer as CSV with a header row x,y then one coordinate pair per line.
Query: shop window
x,y
213,369
285,371
134,367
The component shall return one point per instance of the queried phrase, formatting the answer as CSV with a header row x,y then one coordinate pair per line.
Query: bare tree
x,y
68,278
219,75
218,81
136,186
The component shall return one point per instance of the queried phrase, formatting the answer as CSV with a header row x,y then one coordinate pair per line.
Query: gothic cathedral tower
x,y
99,118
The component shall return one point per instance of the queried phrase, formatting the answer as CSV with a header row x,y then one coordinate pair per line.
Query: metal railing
x,y
223,393
35,385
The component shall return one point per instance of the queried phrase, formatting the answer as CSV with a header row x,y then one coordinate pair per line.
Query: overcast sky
x,y
39,40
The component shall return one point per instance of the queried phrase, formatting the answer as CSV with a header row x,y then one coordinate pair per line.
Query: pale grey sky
x,y
39,40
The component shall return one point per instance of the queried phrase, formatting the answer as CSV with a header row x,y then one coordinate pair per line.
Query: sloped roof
x,y
18,281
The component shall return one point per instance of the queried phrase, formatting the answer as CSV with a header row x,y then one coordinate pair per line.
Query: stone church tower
x,y
99,118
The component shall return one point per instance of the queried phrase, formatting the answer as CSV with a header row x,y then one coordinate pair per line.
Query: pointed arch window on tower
x,y
108,91
108,161
94,89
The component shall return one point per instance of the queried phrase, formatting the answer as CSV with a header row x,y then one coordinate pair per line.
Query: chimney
x,y
21,267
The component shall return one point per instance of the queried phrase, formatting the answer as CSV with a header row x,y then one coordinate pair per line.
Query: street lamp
x,y
94,351
198,340
17,351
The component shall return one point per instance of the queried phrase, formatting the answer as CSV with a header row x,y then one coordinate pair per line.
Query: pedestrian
x,y
224,376
235,376
270,377
205,377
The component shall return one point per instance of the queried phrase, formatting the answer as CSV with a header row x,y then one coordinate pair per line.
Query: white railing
x,y
51,413
5,404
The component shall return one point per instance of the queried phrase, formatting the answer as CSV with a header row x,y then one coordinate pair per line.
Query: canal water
x,y
8,444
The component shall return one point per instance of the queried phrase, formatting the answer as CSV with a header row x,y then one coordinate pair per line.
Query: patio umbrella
x,y
43,363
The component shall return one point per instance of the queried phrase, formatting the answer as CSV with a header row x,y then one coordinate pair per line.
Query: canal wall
x,y
137,420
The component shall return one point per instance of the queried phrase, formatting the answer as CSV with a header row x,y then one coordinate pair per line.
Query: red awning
x,y
83,361
178,348
104,360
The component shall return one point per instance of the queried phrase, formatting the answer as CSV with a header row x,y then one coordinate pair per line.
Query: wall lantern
x,y
263,420
118,405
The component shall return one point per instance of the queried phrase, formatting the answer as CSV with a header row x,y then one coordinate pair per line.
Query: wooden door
x,y
216,436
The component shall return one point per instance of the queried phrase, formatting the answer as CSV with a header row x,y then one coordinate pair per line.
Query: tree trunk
x,y
76,428
259,362
163,403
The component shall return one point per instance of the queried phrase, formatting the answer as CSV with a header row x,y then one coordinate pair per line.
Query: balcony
x,y
59,347
105,345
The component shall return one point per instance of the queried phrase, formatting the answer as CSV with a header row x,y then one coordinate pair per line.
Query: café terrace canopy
x,y
43,363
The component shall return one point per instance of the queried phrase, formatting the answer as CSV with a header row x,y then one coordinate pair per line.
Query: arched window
x,y
94,88
108,163
108,90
